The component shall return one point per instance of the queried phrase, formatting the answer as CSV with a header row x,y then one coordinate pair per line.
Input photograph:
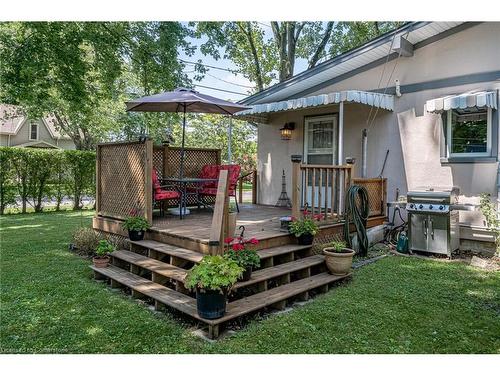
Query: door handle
x,y
425,228
432,228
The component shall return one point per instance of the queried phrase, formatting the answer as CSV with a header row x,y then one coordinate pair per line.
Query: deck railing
x,y
321,187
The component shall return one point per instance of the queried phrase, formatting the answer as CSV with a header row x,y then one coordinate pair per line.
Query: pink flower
x,y
229,240
253,241
238,247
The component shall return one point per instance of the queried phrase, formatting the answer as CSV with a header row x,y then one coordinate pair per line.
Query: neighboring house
x,y
19,131
438,115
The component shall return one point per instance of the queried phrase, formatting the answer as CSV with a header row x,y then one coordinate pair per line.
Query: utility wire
x,y
231,83
214,88
209,66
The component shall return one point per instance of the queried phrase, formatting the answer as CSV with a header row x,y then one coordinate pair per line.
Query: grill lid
x,y
446,194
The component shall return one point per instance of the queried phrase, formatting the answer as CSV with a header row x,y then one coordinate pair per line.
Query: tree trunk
x,y
321,46
255,55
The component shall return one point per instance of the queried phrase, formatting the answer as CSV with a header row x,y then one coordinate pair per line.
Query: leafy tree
x,y
262,59
259,58
82,72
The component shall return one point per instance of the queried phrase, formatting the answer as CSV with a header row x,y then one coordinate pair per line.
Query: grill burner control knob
x,y
412,205
441,207
430,207
421,206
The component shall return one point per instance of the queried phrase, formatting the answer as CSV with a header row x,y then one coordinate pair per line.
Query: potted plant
x,y
212,278
101,258
243,252
338,257
305,228
136,226
232,215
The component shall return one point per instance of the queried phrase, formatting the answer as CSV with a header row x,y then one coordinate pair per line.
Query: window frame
x,y
464,155
329,116
34,123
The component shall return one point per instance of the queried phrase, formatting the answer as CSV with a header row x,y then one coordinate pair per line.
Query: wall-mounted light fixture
x,y
286,131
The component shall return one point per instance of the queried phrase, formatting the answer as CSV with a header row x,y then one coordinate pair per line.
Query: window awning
x,y
259,113
469,100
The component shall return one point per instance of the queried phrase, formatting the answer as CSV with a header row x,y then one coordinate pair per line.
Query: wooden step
x,y
281,269
175,251
260,300
281,250
153,265
153,290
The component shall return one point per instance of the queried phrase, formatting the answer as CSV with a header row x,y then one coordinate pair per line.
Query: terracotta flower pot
x,y
101,262
306,239
338,263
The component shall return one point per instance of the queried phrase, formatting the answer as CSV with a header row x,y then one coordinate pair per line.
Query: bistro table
x,y
195,183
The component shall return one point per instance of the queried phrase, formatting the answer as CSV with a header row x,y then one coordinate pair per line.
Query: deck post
x,y
296,160
148,171
254,186
220,217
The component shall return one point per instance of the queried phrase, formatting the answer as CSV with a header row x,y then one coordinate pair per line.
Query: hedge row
x,y
30,176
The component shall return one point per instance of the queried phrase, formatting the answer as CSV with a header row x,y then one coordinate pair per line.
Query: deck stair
x,y
157,271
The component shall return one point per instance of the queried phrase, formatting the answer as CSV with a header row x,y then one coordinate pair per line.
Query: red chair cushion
x,y
156,183
166,194
210,171
234,173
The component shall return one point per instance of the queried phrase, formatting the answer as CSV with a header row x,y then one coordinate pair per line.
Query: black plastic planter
x,y
136,235
246,275
211,304
306,239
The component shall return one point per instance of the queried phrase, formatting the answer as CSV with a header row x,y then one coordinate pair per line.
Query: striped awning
x,y
259,112
469,100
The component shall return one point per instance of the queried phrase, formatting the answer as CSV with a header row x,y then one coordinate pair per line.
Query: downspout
x,y
496,122
341,151
364,146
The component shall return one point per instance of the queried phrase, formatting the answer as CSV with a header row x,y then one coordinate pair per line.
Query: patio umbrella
x,y
184,100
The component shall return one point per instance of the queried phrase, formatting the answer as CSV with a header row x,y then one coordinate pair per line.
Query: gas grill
x,y
433,225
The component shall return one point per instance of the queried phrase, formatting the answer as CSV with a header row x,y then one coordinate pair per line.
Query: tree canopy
x,y
82,72
262,59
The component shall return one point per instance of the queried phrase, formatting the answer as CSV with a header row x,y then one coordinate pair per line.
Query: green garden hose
x,y
357,214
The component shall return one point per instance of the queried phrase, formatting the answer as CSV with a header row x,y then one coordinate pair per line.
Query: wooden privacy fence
x,y
123,179
124,174
377,193
321,187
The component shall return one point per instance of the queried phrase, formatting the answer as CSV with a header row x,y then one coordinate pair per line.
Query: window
x,y
468,132
33,131
320,142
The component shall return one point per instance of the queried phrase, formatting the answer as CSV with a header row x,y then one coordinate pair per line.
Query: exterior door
x,y
320,147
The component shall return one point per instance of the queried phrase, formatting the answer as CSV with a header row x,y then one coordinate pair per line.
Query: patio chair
x,y
212,171
160,195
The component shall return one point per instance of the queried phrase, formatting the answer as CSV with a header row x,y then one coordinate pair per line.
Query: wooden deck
x,y
261,222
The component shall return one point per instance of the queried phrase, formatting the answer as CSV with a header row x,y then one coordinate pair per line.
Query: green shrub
x,y
86,240
32,175
214,272
337,246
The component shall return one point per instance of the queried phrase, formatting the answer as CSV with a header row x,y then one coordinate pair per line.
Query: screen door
x,y
320,147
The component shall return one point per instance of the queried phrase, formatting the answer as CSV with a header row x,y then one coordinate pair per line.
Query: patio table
x,y
183,184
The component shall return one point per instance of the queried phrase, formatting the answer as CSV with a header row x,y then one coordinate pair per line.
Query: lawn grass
x,y
49,303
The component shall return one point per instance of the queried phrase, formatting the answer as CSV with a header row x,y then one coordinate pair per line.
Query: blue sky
x,y
215,77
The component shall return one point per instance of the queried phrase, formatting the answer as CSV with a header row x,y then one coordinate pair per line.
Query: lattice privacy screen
x,y
376,188
121,180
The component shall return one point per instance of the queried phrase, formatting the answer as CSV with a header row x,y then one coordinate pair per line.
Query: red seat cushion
x,y
233,172
166,194
210,171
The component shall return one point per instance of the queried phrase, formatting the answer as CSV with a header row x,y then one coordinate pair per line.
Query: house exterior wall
x,y
23,136
411,134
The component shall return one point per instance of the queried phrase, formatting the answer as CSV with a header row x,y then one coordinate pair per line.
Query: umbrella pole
x,y
181,171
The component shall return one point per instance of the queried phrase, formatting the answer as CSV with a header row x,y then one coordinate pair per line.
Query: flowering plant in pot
x,y
338,257
101,258
243,252
305,228
136,226
212,278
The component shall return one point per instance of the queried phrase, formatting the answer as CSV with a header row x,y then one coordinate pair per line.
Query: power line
x,y
209,66
215,88
231,83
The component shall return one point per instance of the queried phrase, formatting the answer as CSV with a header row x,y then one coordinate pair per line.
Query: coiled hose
x,y
358,215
